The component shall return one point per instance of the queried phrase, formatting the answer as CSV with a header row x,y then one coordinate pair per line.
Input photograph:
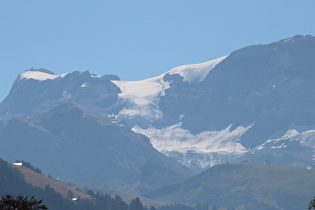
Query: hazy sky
x,y
138,39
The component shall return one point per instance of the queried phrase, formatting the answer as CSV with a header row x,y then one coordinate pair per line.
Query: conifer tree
x,y
9,202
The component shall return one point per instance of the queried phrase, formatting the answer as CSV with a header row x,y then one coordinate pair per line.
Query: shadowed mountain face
x,y
244,186
73,143
200,114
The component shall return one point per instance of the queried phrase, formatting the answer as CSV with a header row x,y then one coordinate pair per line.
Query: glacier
x,y
141,97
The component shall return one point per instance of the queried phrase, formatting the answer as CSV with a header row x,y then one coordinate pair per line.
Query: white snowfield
x,y
141,97
41,76
177,139
196,72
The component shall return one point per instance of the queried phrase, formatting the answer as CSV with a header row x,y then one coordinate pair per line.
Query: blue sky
x,y
138,39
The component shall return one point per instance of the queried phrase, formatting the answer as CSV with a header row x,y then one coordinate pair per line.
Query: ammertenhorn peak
x,y
256,104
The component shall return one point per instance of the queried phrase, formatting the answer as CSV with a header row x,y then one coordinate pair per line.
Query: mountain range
x,y
255,104
149,137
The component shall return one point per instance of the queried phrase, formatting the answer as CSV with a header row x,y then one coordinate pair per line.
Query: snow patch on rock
x,y
37,75
306,138
41,75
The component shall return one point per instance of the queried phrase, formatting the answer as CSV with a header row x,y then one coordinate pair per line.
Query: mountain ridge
x,y
244,186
